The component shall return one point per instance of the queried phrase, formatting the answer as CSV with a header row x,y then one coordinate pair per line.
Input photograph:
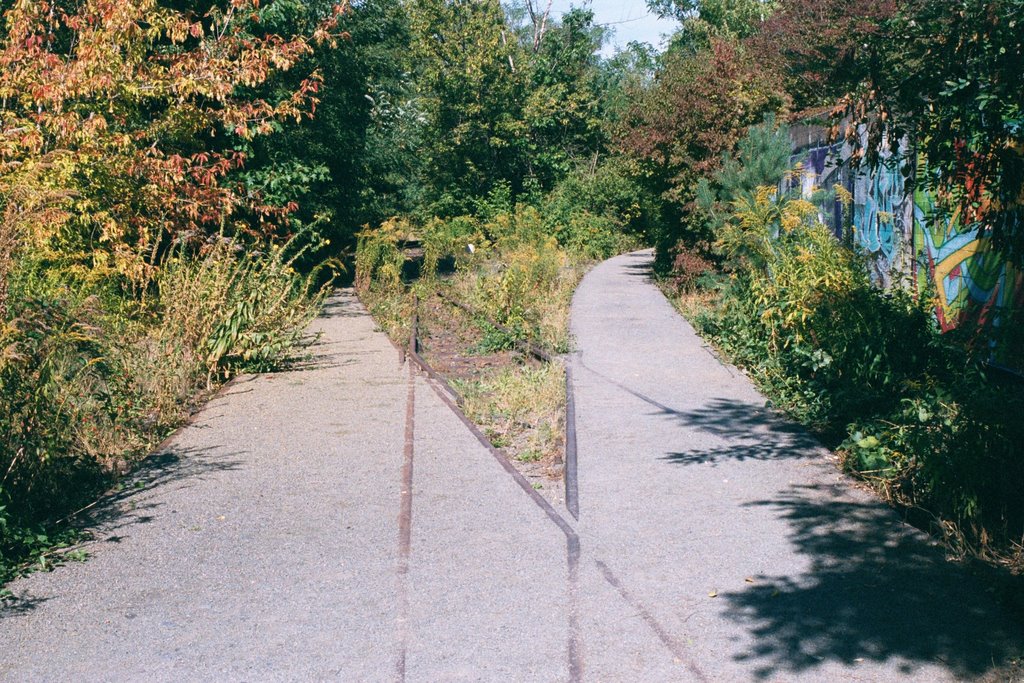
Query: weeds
x,y
90,381
520,408
511,278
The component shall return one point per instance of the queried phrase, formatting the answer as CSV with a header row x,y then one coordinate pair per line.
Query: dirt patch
x,y
517,401
449,341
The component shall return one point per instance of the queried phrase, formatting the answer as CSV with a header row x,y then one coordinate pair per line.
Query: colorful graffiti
x,y
908,238
968,278
879,217
819,173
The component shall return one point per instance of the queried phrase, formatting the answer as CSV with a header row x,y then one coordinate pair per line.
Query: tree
x,y
562,109
702,20
354,162
698,109
509,106
132,113
472,95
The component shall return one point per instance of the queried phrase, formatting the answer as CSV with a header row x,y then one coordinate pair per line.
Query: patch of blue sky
x,y
629,20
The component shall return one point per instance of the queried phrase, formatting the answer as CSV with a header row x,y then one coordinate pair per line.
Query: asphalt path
x,y
342,522
337,522
744,550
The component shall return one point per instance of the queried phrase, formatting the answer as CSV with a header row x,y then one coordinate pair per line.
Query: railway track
x,y
451,398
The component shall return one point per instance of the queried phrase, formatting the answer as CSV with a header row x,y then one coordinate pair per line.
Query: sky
x,y
628,18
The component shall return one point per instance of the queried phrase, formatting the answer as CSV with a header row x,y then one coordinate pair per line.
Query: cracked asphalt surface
x,y
340,522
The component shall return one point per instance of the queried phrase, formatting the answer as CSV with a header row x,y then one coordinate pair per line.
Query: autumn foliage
x,y
124,114
137,266
698,109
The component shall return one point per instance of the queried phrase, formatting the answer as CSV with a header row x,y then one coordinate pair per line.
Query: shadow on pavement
x,y
644,270
130,505
15,606
748,431
873,593
341,306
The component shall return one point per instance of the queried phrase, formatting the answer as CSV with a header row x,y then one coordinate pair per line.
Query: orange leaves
x,y
123,93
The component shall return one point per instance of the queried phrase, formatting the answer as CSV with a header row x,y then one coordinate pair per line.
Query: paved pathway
x,y
689,488
268,542
342,523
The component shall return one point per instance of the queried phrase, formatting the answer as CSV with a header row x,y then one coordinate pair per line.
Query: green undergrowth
x,y
521,409
509,272
508,266
911,411
91,377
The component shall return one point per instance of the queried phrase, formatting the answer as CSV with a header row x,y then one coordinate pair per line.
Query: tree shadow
x,y
342,304
643,269
128,505
875,591
318,355
16,606
750,431
109,519
313,351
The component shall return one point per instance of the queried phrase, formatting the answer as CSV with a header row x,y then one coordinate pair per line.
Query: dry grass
x,y
690,303
521,409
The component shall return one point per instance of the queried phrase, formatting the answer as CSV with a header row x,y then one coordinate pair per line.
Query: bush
x,y
914,413
456,239
600,210
379,259
513,296
689,266
761,160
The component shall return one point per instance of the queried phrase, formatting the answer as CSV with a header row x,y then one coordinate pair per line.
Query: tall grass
x,y
90,380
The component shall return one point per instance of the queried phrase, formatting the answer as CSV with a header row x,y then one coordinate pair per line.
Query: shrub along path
x,y
734,532
340,522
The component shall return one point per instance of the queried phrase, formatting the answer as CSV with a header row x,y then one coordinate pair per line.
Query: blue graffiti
x,y
877,211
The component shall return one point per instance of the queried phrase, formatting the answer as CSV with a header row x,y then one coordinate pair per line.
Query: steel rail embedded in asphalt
x,y
446,393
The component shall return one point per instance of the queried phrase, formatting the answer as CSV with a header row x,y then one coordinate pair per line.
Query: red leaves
x,y
701,105
118,115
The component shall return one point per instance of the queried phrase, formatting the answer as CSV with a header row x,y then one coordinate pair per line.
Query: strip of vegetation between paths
x,y
569,475
451,398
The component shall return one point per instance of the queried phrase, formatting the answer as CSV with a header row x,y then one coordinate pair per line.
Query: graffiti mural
x,y
880,208
969,280
909,240
821,171
820,168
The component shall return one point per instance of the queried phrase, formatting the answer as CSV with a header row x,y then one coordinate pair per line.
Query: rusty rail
x,y
451,398
570,463
524,346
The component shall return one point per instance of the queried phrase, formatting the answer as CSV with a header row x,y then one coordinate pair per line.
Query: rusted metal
x,y
451,398
571,467
666,639
405,526
443,389
572,500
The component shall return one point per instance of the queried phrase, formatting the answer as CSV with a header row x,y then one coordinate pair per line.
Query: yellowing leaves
x,y
103,126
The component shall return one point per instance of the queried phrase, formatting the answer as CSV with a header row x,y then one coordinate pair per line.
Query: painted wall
x,y
909,242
